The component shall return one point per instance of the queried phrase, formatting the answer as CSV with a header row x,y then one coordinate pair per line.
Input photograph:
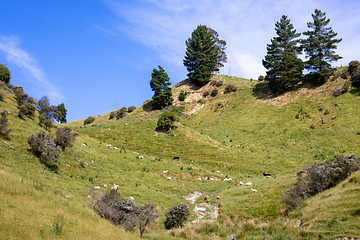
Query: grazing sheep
x,y
131,198
109,146
249,184
84,145
218,197
227,179
241,183
169,178
98,187
67,197
140,157
116,148
165,172
254,190
105,186
115,187
267,174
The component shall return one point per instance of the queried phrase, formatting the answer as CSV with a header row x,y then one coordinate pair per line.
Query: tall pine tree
x,y
320,44
160,83
284,67
201,56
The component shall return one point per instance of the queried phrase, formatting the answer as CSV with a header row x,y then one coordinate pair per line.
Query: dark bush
x,y
206,93
21,96
318,177
182,95
214,92
121,113
177,215
26,110
166,122
2,95
124,212
45,122
353,67
4,74
230,88
131,109
219,83
4,113
112,115
64,137
355,78
89,120
43,146
4,130
316,78
261,78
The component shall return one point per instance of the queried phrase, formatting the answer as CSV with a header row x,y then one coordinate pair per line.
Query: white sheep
x,y
165,172
254,190
131,198
116,148
105,186
109,146
98,187
249,184
227,179
115,187
84,145
141,157
169,178
241,183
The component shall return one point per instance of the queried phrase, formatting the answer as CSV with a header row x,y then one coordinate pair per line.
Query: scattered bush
x,y
89,120
64,137
182,95
131,109
355,78
121,113
214,92
219,83
353,67
124,212
318,177
230,88
26,110
206,93
261,78
177,215
2,95
166,122
43,146
45,122
4,74
112,115
20,96
4,130
4,113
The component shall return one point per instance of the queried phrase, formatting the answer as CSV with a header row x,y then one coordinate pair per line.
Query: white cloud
x,y
14,54
246,25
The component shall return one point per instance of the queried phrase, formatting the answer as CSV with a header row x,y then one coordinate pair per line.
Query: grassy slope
x,y
238,134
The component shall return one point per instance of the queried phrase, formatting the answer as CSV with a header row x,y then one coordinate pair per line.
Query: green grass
x,y
237,135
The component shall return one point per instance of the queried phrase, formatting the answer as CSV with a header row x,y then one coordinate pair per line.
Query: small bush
x,y
4,113
2,95
4,74
355,78
182,95
21,96
4,130
219,83
206,93
166,122
43,147
112,115
64,137
261,78
177,215
89,120
214,92
230,88
131,109
121,113
320,176
45,122
26,110
353,67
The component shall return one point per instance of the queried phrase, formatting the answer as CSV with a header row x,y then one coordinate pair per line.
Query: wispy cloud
x,y
14,54
246,25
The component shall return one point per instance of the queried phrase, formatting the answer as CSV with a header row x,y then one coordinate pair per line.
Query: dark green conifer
x,y
284,67
160,83
201,56
320,44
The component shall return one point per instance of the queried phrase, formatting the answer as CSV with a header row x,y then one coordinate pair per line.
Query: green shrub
x,y
4,74
355,78
4,130
121,113
43,147
45,122
131,109
353,67
4,113
166,122
230,88
320,176
177,215
112,115
89,120
2,95
316,78
206,93
214,92
26,110
21,96
219,83
261,78
182,95
64,137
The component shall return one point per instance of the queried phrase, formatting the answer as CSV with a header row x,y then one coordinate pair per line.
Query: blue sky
x,y
98,55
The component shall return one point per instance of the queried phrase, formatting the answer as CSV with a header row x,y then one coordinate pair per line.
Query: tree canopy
x,y
4,74
201,56
159,84
320,44
284,67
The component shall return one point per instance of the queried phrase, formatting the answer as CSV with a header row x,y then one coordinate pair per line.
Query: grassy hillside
x,y
237,135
